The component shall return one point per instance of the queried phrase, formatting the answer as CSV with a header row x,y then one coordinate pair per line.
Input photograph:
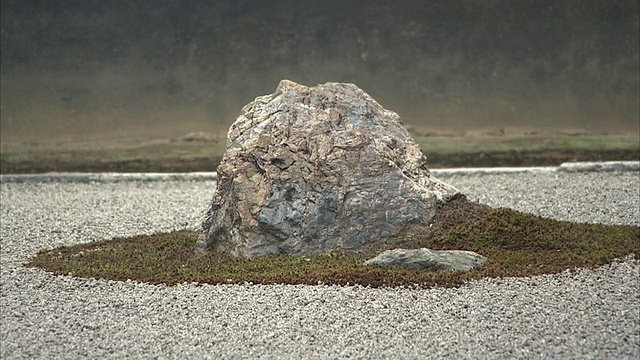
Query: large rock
x,y
425,259
313,169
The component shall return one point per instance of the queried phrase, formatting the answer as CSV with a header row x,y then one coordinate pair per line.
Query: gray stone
x,y
313,169
600,166
457,260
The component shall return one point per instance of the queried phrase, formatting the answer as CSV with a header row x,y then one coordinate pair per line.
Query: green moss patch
x,y
443,152
517,244
465,145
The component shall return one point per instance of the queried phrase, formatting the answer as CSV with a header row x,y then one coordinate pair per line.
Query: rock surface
x,y
313,169
457,260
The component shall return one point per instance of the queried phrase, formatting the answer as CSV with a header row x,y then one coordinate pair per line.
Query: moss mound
x,y
517,244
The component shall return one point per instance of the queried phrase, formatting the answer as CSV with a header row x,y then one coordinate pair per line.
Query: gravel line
x,y
576,314
87,177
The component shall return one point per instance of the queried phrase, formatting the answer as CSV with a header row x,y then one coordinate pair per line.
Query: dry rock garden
x,y
324,185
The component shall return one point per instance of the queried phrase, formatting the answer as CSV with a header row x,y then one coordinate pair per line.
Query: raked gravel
x,y
579,314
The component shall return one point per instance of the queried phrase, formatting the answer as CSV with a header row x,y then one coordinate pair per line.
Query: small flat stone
x,y
456,260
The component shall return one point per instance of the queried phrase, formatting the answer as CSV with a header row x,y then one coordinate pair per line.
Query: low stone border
x,y
600,166
605,166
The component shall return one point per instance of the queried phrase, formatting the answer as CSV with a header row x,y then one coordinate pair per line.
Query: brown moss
x,y
516,244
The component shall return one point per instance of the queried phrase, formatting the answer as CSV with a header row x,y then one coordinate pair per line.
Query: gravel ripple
x,y
576,314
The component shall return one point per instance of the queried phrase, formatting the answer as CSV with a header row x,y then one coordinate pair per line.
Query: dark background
x,y
82,70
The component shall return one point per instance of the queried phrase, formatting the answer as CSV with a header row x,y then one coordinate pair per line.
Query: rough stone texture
x,y
457,260
312,169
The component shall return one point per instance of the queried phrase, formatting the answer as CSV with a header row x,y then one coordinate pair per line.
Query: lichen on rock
x,y
313,169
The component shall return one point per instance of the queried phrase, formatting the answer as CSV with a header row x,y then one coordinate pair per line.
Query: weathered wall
x,y
89,69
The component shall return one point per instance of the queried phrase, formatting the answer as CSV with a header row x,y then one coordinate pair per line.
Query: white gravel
x,y
576,314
